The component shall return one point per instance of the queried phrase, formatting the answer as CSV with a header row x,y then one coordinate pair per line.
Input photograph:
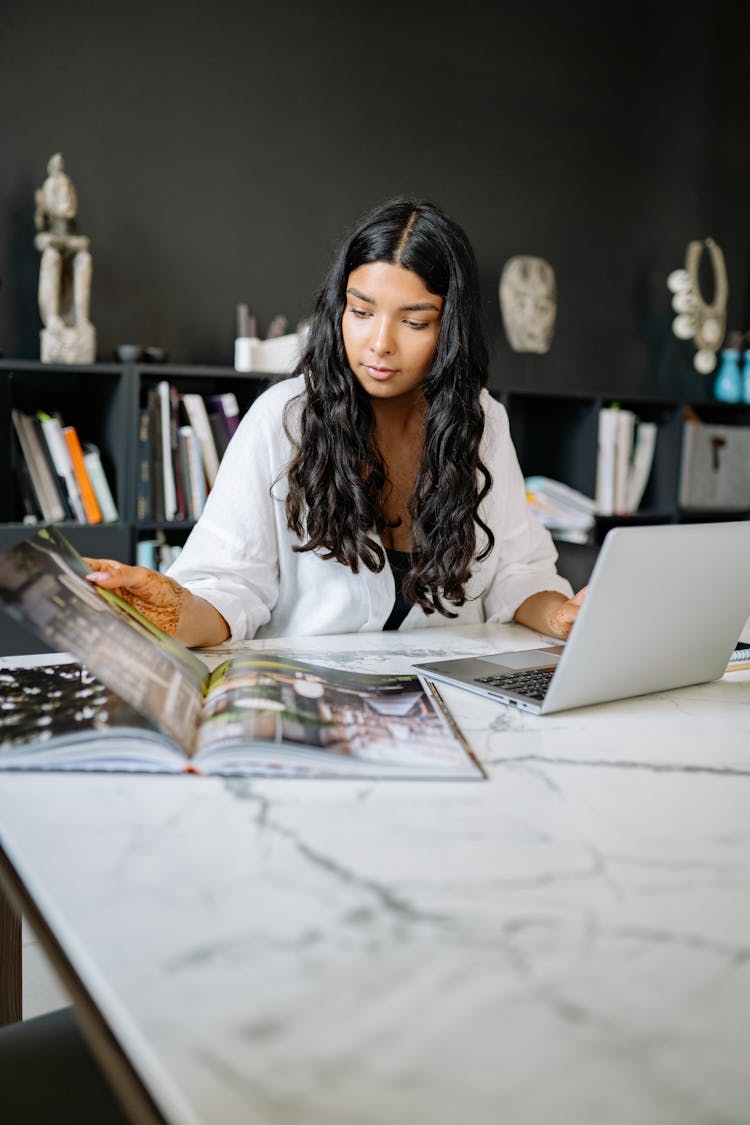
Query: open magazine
x,y
140,701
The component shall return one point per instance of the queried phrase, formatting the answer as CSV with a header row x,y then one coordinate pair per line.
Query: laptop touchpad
x,y
533,658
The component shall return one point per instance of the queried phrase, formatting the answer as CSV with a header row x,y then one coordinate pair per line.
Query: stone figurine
x,y
65,270
528,302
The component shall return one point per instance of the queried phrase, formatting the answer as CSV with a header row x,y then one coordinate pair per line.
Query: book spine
x,y
227,407
623,456
93,462
221,438
88,497
643,459
53,435
165,413
45,487
143,482
605,461
181,498
197,413
192,459
156,474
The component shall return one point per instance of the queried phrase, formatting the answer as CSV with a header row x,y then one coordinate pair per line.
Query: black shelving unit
x,y
101,400
555,434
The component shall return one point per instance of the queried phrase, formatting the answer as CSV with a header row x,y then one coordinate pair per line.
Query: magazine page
x,y
60,716
274,716
43,585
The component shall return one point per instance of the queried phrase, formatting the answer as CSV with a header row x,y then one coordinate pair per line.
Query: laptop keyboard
x,y
533,683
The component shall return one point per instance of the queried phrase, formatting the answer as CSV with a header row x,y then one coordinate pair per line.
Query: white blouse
x,y
239,555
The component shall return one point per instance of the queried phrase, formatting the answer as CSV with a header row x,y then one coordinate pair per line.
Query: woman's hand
x,y
564,617
550,613
187,618
157,597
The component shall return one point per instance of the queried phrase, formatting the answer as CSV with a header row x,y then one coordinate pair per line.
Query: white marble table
x,y
567,942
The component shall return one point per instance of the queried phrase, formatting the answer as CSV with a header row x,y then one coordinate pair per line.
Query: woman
x,y
379,487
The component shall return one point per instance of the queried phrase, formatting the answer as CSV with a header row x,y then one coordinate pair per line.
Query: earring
x,y
696,318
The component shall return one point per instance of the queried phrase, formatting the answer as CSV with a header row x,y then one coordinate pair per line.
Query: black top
x,y
400,565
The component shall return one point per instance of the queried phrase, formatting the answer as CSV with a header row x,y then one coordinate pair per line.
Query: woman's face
x,y
390,326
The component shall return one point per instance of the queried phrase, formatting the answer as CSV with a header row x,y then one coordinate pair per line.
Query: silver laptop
x,y
664,608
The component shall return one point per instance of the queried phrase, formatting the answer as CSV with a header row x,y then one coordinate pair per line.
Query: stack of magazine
x,y
135,699
567,513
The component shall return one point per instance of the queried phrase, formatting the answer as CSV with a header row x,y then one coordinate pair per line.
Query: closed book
x,y
197,414
88,496
58,482
218,429
58,450
180,472
143,468
156,474
605,461
93,462
623,457
42,481
29,506
170,488
227,407
643,459
192,462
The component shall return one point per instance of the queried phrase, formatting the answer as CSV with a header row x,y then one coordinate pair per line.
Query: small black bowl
x,y
155,355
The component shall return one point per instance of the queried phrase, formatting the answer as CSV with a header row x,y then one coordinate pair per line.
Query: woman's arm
x,y
550,613
186,617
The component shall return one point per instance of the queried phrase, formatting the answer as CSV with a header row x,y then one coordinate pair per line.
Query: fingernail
x,y
96,575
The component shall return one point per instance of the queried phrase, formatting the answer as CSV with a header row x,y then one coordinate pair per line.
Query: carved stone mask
x,y
528,302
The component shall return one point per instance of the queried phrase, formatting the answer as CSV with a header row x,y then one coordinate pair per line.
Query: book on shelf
x,y
93,461
625,432
643,459
225,407
192,468
625,454
156,470
220,435
88,496
606,460
43,482
60,471
168,473
51,430
143,467
197,416
137,700
180,483
29,507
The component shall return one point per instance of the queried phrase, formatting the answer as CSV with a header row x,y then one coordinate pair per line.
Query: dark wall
x,y
220,150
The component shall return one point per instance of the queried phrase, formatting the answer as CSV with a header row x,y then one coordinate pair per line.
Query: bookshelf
x,y
555,434
102,401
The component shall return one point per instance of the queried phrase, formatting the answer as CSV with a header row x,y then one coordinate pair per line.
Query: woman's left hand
x,y
564,617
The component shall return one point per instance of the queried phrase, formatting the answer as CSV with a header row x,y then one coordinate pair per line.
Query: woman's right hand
x,y
157,597
187,618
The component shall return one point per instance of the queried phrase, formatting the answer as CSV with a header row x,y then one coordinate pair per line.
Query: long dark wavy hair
x,y
337,475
